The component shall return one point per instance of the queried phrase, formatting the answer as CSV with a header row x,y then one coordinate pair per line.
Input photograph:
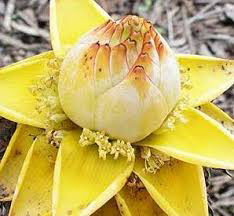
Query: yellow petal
x,y
70,19
137,201
201,141
83,182
210,77
34,188
16,101
178,188
217,114
109,209
13,159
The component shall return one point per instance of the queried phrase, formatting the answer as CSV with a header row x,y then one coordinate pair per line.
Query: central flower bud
x,y
121,78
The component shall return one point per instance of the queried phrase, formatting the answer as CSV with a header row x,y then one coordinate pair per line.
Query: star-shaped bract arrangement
x,y
46,170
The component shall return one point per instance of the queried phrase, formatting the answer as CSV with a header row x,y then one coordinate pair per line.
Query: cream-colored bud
x,y
121,78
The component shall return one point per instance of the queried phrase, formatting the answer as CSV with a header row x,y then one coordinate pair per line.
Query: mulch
x,y
204,27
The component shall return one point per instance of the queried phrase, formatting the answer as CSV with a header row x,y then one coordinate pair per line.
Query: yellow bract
x,y
34,187
70,19
217,114
134,201
209,76
109,209
16,101
178,188
13,159
201,141
83,182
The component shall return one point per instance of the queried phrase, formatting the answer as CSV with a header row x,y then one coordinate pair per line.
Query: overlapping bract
x,y
120,72
34,186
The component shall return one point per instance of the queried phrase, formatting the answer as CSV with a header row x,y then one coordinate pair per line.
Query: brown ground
x,y
203,27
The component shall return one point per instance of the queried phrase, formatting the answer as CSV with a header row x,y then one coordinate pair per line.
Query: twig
x,y
30,31
29,19
42,6
5,39
188,31
227,193
224,37
222,212
211,14
205,9
220,179
208,1
224,202
170,25
104,4
8,15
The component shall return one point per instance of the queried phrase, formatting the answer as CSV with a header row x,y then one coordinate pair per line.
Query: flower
x,y
51,167
120,72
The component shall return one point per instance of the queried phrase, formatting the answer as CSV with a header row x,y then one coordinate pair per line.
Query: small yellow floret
x,y
55,137
45,90
185,80
106,145
176,115
153,160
